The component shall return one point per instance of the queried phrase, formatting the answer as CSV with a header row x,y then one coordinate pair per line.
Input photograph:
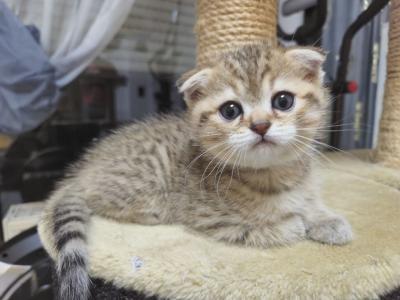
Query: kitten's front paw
x,y
335,231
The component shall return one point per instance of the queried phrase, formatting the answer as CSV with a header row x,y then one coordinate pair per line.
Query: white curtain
x,y
73,32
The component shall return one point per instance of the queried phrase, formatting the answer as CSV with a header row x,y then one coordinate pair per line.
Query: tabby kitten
x,y
237,166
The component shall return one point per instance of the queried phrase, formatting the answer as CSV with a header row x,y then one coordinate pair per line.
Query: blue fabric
x,y
28,93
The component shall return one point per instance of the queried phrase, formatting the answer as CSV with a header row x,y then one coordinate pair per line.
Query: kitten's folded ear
x,y
311,58
193,83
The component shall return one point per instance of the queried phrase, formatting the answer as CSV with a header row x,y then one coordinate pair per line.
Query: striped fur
x,y
199,170
69,217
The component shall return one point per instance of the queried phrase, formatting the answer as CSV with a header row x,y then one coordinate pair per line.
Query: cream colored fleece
x,y
171,262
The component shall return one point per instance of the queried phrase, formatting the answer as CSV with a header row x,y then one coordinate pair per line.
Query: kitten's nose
x,y
260,127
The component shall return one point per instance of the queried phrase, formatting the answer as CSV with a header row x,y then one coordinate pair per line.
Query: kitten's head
x,y
257,106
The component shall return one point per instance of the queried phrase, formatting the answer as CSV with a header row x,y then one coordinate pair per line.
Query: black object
x,y
393,295
367,15
102,290
340,84
310,31
26,249
36,160
163,97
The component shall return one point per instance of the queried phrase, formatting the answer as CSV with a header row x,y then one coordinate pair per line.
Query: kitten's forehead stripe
x,y
265,71
235,69
249,65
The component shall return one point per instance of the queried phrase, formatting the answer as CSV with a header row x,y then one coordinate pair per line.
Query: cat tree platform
x,y
130,261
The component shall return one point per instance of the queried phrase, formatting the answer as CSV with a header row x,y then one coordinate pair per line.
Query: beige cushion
x,y
170,262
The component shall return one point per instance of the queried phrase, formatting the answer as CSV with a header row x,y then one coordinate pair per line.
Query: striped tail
x,y
71,217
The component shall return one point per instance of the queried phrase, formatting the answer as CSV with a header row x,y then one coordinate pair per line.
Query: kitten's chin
x,y
266,154
265,143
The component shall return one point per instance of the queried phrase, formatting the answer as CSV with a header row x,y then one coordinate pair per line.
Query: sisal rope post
x,y
388,150
224,24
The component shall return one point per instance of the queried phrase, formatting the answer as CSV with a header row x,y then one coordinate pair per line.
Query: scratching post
x,y
388,151
224,24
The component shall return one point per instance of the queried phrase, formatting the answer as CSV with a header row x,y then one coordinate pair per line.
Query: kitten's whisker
x,y
315,151
232,171
224,161
212,160
312,156
242,157
296,153
325,145
334,128
210,134
202,154
321,128
241,151
205,152
221,164
317,41
301,150
327,126
329,130
222,171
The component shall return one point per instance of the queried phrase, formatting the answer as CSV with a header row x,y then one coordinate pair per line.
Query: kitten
x,y
237,166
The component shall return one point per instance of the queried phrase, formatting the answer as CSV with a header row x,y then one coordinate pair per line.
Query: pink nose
x,y
260,127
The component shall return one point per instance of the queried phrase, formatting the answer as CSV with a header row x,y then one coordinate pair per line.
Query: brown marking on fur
x,y
266,69
311,98
261,199
235,70
205,116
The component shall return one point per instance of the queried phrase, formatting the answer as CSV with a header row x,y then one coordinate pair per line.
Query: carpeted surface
x,y
107,291
170,262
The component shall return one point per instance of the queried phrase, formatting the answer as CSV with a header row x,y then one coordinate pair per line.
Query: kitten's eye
x,y
230,110
283,101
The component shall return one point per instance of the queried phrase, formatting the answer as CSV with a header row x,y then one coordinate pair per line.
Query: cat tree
x,y
142,262
389,134
221,25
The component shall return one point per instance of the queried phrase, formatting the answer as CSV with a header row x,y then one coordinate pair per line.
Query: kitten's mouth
x,y
265,142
